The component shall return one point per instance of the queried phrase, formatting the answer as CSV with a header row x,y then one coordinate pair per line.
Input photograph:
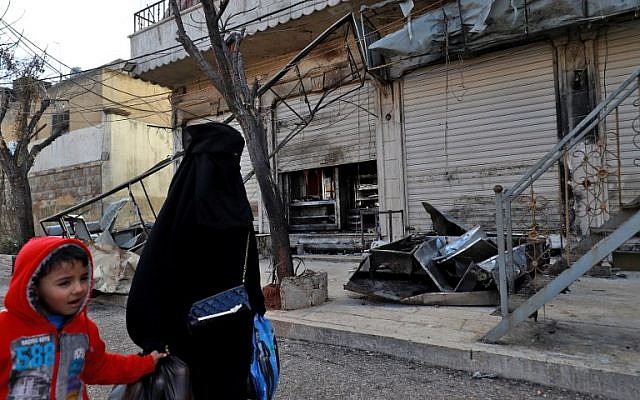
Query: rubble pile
x,y
439,268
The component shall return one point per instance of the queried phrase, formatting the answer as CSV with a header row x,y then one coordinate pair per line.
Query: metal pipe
x,y
504,301
619,174
146,195
511,275
138,211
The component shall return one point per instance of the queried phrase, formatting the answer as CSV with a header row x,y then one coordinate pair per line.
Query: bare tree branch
x,y
38,147
222,8
34,134
44,104
192,49
220,48
4,106
239,79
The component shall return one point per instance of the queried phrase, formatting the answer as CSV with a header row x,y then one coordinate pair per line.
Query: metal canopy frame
x,y
357,74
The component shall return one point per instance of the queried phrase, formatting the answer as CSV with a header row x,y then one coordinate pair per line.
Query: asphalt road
x,y
313,371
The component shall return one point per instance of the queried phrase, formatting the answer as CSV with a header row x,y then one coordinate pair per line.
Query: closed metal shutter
x,y
342,132
618,55
474,124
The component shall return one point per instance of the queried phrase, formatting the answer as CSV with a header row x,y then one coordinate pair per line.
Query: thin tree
x,y
25,103
227,74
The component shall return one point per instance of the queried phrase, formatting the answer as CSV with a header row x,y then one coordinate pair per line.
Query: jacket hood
x,y
21,296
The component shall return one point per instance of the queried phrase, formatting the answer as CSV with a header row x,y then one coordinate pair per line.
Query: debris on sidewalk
x,y
453,266
480,375
113,268
305,290
115,249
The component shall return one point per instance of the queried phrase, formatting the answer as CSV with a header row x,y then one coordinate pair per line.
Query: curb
x,y
613,385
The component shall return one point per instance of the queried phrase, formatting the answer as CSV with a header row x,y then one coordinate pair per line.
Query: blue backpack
x,y
265,362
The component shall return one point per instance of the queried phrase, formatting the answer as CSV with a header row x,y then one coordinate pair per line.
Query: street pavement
x,y
585,341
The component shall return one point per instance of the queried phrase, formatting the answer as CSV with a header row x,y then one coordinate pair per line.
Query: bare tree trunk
x,y
19,201
279,229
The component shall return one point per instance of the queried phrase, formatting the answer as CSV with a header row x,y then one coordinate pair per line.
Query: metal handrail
x,y
160,165
504,198
576,135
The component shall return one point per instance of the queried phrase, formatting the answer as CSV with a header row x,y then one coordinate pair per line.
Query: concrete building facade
x,y
458,97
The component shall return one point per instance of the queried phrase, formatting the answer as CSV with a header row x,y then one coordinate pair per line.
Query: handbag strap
x,y
246,257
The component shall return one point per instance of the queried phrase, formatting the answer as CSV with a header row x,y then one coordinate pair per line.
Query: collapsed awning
x,y
469,25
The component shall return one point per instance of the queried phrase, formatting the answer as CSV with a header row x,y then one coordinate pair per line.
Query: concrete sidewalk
x,y
587,340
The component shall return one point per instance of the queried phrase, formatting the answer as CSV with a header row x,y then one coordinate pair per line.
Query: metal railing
x,y
505,197
157,12
67,219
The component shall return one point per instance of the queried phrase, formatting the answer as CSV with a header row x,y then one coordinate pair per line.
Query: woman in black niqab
x,y
196,249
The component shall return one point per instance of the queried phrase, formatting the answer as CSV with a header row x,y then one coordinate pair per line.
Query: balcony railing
x,y
157,12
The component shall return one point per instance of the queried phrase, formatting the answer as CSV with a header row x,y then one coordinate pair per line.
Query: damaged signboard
x,y
436,269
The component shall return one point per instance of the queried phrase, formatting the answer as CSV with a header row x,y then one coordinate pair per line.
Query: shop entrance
x,y
339,198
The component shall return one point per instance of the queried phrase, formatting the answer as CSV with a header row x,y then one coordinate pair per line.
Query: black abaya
x,y
197,248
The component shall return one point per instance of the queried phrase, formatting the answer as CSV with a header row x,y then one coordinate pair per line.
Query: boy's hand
x,y
156,355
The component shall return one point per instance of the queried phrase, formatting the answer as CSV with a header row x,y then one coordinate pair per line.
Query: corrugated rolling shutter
x,y
341,132
474,124
618,56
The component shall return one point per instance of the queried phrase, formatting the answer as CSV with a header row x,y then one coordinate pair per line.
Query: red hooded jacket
x,y
39,361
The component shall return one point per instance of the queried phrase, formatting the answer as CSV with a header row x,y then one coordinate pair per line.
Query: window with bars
x,y
60,122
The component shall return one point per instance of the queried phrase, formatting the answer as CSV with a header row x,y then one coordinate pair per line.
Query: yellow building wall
x,y
135,147
144,101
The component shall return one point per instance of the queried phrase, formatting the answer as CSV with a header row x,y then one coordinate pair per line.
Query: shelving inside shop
x,y
366,199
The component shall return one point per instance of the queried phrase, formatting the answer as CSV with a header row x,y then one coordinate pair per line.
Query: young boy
x,y
49,348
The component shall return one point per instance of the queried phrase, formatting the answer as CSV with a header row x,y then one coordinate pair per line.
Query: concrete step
x,y
627,257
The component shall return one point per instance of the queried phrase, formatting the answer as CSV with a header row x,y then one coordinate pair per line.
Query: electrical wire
x,y
28,47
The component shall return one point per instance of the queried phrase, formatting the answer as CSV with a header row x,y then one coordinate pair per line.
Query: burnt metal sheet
x,y
425,254
444,224
426,270
384,284
397,256
473,245
111,213
477,298
520,262
468,280
394,290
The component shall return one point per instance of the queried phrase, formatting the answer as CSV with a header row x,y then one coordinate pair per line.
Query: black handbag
x,y
228,302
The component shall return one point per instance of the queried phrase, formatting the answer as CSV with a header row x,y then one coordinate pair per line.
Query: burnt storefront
x,y
343,197
328,171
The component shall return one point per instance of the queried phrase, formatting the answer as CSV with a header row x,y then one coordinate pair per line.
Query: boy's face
x,y
63,290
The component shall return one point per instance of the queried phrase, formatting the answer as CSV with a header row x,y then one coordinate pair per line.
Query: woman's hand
x,y
156,355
